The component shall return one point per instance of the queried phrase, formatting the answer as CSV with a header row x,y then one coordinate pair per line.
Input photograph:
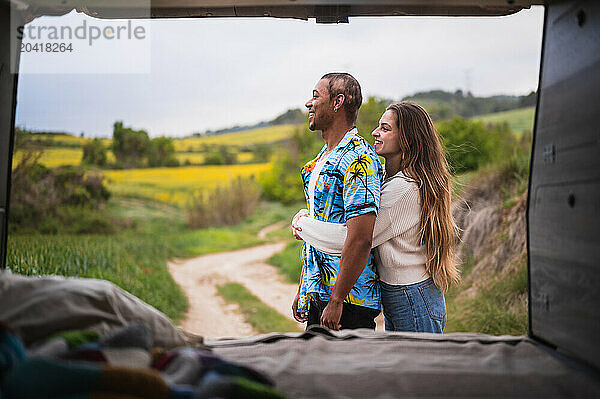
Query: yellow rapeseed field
x,y
194,157
69,140
245,157
266,135
197,158
54,157
176,185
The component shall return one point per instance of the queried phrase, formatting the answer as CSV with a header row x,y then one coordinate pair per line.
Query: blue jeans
x,y
418,307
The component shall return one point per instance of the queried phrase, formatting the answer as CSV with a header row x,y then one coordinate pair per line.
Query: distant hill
x,y
445,105
520,120
439,104
292,116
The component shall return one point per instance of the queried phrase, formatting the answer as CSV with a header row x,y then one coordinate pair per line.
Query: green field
x,y
520,120
135,258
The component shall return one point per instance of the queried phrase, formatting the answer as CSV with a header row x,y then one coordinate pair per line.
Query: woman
x,y
414,230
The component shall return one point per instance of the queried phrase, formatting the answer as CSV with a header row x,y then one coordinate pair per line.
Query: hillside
x,y
263,135
519,120
492,296
445,105
292,116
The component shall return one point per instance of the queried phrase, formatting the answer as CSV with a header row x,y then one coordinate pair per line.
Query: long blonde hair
x,y
423,160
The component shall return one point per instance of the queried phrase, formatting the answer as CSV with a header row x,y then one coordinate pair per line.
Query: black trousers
x,y
353,316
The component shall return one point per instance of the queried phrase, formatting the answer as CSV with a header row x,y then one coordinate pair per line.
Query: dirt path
x,y
208,314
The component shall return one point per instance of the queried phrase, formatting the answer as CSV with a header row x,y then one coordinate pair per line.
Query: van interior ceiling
x,y
561,355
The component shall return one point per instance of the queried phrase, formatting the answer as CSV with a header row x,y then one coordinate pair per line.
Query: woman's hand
x,y
295,228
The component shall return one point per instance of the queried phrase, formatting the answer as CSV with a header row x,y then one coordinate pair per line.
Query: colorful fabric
x,y
76,338
45,378
199,375
132,335
54,347
349,185
12,351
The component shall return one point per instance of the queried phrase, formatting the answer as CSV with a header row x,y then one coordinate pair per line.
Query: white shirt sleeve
x,y
399,211
324,236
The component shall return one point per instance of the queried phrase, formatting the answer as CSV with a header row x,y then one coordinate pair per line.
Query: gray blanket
x,y
369,364
38,307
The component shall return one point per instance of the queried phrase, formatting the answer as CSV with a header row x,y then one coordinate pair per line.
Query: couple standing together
x,y
374,237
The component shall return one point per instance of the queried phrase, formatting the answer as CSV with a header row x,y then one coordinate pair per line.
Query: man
x,y
342,185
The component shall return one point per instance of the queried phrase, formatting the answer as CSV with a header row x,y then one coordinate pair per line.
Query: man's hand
x,y
299,316
332,314
295,229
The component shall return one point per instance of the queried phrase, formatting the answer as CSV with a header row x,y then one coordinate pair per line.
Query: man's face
x,y
320,107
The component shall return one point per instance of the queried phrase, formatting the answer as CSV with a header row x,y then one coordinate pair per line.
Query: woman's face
x,y
386,135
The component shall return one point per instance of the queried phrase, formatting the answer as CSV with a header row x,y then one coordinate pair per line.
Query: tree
x,y
368,116
129,146
161,152
223,156
262,152
94,153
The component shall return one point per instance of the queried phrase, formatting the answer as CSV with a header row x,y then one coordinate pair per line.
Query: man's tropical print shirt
x,y
349,185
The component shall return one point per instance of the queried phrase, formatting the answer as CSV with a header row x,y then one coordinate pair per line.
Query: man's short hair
x,y
346,84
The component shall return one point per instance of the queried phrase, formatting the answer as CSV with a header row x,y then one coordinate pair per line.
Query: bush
x,y
283,182
226,205
261,152
94,153
39,196
161,152
470,144
223,156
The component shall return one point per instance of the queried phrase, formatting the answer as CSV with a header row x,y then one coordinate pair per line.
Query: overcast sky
x,y
215,73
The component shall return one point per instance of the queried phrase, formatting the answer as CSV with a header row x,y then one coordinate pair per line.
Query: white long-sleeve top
x,y
399,258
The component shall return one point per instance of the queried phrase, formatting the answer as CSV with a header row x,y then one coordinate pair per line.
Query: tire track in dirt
x,y
208,314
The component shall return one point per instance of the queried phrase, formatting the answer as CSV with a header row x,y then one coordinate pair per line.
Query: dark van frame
x,y
563,207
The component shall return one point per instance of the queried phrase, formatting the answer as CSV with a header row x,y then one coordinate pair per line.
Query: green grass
x,y
135,258
135,263
288,261
519,120
495,309
262,317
